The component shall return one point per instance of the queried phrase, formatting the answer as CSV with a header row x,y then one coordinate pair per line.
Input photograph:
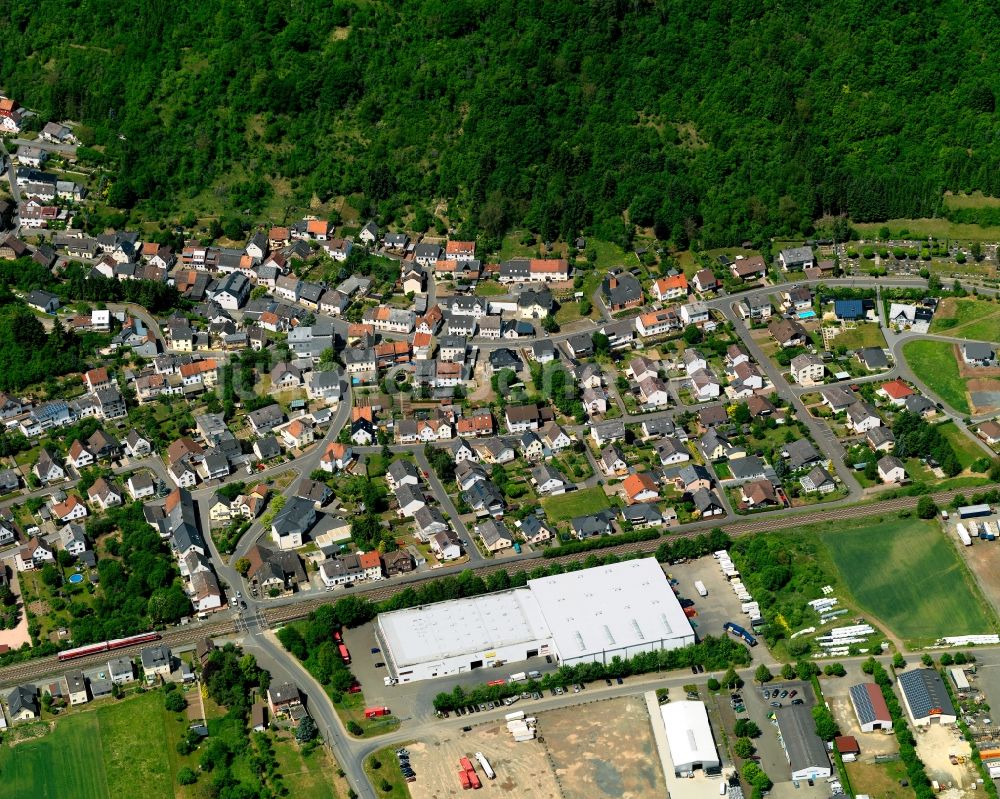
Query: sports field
x,y
575,503
908,575
934,363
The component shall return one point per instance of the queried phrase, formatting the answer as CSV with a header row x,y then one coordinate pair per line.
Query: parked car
x,y
775,704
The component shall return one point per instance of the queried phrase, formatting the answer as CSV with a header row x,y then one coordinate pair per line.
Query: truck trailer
x,y
375,712
518,677
487,768
699,586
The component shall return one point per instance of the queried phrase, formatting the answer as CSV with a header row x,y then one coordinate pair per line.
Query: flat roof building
x,y
689,736
804,749
926,698
589,615
621,609
461,635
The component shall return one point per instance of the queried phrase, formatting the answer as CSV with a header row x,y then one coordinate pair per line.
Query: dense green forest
x,y
720,120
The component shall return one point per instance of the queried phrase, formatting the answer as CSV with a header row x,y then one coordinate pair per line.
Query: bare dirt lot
x,y
836,690
523,769
603,749
600,749
934,744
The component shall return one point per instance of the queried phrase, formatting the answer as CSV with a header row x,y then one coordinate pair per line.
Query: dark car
x,y
784,694
380,665
694,669
375,650
793,692
775,704
620,680
797,702
608,682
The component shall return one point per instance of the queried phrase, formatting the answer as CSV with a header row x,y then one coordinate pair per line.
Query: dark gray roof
x,y
24,697
746,468
873,357
642,512
976,350
400,469
925,690
801,453
798,733
704,499
297,516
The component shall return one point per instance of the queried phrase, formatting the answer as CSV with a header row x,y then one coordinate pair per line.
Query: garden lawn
x,y
934,363
966,450
575,503
909,576
866,334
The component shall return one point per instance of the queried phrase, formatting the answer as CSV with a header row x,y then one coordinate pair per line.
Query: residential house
x,y
71,508
22,703
801,453
47,469
817,480
594,524
657,322
410,499
397,562
895,392
445,546
156,662
862,417
548,481
292,522
534,530
103,494
33,555
752,268
977,353
121,671
796,259
342,570
891,469
494,535
612,461
880,439
653,392
674,287
297,434
608,431
485,499
671,451
704,281
695,313
788,333
264,420
284,700
640,487
807,369
759,494
707,503
621,290
534,270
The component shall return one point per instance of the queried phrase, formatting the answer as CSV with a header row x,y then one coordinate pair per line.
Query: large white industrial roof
x,y
689,735
460,626
607,608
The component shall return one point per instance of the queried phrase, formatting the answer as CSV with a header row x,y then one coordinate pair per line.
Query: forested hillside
x,y
722,119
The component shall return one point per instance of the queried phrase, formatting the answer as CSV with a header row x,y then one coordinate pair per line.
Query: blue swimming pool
x,y
806,314
76,578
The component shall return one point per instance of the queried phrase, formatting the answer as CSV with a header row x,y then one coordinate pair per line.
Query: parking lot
x,y
721,604
760,711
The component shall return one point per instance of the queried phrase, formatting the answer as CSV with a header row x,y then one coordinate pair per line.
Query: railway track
x,y
42,667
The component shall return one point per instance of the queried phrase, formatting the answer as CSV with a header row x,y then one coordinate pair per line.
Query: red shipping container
x,y
464,763
463,777
474,779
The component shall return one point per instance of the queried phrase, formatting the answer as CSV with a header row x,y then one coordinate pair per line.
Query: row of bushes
x,y
715,654
915,770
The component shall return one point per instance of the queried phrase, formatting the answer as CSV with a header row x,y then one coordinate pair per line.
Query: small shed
x,y
847,746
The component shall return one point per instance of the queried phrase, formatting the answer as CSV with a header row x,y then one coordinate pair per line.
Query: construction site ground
x,y
599,749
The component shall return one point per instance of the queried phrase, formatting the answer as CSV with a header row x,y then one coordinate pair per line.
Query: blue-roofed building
x,y
849,309
870,707
926,697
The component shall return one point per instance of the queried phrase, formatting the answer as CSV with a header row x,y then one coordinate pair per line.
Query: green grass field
x,y
935,364
968,318
94,754
575,503
66,762
906,573
864,335
966,450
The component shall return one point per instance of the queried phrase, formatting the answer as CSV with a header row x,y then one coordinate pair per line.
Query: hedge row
x,y
715,654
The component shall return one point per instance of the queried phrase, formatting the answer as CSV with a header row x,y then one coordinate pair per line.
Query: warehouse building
x,y
926,698
805,751
689,737
583,616
870,707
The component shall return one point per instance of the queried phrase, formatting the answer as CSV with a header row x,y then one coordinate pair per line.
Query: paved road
x,y
441,494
